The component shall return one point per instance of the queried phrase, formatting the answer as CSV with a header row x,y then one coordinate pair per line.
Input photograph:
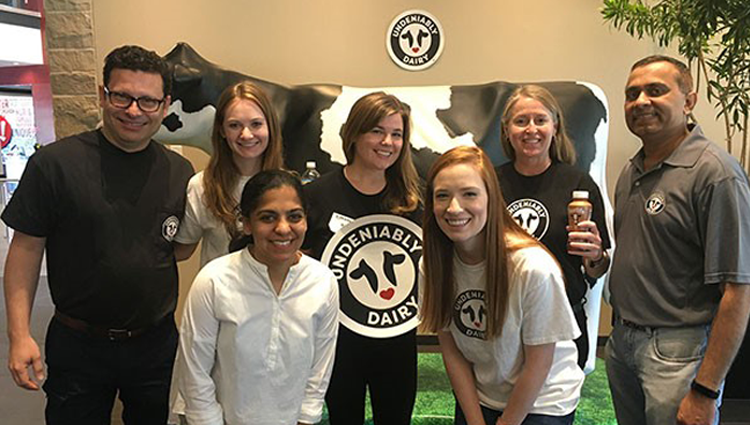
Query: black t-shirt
x,y
109,217
540,205
331,195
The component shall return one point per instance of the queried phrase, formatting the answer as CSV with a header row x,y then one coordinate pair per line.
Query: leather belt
x,y
636,326
99,332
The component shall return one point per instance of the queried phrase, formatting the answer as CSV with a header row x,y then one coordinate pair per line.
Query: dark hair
x,y
253,192
136,58
684,78
402,192
264,181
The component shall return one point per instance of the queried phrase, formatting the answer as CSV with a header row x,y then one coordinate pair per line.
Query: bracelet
x,y
704,391
595,263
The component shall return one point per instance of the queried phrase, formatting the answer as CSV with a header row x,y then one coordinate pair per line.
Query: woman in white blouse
x,y
246,139
258,334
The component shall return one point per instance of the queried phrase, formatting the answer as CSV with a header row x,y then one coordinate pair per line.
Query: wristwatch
x,y
705,391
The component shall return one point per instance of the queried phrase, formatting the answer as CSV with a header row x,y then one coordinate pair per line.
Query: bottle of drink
x,y
310,174
579,209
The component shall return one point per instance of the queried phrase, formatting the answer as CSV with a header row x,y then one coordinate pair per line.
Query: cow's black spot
x,y
172,122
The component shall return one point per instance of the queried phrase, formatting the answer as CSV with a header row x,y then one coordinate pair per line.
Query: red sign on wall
x,y
6,132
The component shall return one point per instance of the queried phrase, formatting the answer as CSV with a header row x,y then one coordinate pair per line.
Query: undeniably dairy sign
x,y
376,262
415,40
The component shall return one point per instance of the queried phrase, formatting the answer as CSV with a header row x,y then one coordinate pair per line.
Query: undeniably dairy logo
x,y
470,313
655,203
376,261
169,227
532,215
415,40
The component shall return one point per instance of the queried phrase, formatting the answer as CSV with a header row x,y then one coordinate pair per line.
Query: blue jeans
x,y
650,371
490,417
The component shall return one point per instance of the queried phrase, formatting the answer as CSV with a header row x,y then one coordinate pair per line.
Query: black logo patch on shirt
x,y
532,215
470,313
376,261
169,227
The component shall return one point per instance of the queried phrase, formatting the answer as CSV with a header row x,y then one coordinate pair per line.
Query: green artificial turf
x,y
435,401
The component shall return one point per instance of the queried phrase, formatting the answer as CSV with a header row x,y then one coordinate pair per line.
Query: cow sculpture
x,y
311,116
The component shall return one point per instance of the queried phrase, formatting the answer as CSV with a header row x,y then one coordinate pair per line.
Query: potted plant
x,y
712,34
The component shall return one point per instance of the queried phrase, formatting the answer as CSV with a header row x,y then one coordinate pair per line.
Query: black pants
x,y
84,373
582,342
387,366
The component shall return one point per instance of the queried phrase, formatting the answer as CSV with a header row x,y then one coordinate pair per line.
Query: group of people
x,y
263,338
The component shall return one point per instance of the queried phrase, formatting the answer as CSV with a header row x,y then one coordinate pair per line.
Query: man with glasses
x,y
105,206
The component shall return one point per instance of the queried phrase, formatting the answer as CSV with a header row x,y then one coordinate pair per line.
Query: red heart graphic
x,y
387,294
415,49
477,325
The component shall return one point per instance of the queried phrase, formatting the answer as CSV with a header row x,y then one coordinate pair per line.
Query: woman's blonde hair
x,y
501,235
402,192
561,149
222,174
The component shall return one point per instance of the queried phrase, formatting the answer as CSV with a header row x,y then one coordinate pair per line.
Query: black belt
x,y
99,332
632,325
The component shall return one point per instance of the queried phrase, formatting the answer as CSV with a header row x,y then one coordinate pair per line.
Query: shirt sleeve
x,y
726,208
326,332
33,207
547,315
190,230
198,336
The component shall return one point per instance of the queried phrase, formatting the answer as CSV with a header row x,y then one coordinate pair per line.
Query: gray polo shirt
x,y
681,228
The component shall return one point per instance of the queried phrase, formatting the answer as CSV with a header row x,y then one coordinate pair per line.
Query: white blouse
x,y
250,356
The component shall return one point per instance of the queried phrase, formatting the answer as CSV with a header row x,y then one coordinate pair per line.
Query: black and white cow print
x,y
311,115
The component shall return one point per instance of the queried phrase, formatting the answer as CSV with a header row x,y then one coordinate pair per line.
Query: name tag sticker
x,y
338,221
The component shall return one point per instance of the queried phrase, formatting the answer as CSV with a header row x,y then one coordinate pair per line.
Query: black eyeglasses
x,y
124,100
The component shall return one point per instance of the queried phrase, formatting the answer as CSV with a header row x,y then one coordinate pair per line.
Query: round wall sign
x,y
415,40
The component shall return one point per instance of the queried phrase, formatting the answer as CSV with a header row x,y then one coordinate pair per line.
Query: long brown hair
x,y
402,192
561,149
221,174
501,233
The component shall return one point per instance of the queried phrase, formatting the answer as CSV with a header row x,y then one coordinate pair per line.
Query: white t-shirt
x,y
250,356
199,222
538,313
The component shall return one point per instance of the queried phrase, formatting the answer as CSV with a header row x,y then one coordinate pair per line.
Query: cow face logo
x,y
655,203
415,40
532,215
169,227
470,313
376,261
